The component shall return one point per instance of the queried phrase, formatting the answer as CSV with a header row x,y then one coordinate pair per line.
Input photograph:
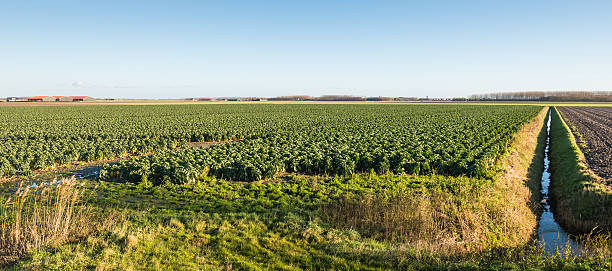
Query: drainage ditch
x,y
551,236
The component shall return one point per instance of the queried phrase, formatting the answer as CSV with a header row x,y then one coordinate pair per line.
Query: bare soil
x,y
592,127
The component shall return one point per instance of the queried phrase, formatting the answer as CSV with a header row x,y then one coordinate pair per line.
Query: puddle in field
x,y
55,179
551,236
83,173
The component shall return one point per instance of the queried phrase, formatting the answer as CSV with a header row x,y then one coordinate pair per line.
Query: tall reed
x,y
34,217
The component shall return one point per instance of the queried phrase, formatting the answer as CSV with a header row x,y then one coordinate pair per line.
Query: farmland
x,y
578,156
279,186
319,139
593,125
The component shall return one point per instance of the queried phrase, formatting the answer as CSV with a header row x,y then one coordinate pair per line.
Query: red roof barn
x,y
41,99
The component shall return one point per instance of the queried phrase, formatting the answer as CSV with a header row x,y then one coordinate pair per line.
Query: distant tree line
x,y
340,98
291,98
579,96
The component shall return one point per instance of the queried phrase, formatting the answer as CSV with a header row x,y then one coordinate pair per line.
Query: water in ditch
x,y
551,237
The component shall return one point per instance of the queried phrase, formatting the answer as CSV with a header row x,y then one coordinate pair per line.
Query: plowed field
x,y
594,124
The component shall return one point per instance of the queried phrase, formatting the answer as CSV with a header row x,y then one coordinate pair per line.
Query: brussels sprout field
x,y
332,139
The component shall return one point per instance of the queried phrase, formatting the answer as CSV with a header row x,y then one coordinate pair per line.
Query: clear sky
x,y
174,49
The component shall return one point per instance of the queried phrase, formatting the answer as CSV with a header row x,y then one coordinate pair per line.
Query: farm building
x,y
82,98
63,98
41,99
50,99
17,99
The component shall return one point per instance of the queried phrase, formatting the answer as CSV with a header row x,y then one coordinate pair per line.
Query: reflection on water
x,y
551,236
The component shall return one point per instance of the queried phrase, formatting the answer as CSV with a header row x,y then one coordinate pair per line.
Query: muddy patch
x,y
82,173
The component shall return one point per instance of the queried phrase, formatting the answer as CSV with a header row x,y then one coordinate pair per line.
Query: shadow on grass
x,y
580,205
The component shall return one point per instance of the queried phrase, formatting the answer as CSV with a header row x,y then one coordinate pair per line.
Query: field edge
x,y
519,185
502,214
581,204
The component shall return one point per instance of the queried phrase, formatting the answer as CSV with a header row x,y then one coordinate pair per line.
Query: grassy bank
x,y
581,203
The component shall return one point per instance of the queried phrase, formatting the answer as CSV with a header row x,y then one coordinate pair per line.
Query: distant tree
x,y
291,98
379,99
339,98
587,96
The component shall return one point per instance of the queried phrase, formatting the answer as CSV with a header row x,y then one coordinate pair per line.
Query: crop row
x,y
317,139
452,140
34,138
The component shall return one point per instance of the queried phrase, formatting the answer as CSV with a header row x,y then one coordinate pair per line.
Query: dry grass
x,y
514,200
596,245
425,220
497,216
46,215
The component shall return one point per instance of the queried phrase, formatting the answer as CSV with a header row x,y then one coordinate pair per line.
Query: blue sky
x,y
174,49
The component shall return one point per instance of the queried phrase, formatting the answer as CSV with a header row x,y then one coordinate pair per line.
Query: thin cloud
x,y
79,84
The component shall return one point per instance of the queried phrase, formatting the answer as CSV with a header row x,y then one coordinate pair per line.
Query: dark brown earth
x,y
593,129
